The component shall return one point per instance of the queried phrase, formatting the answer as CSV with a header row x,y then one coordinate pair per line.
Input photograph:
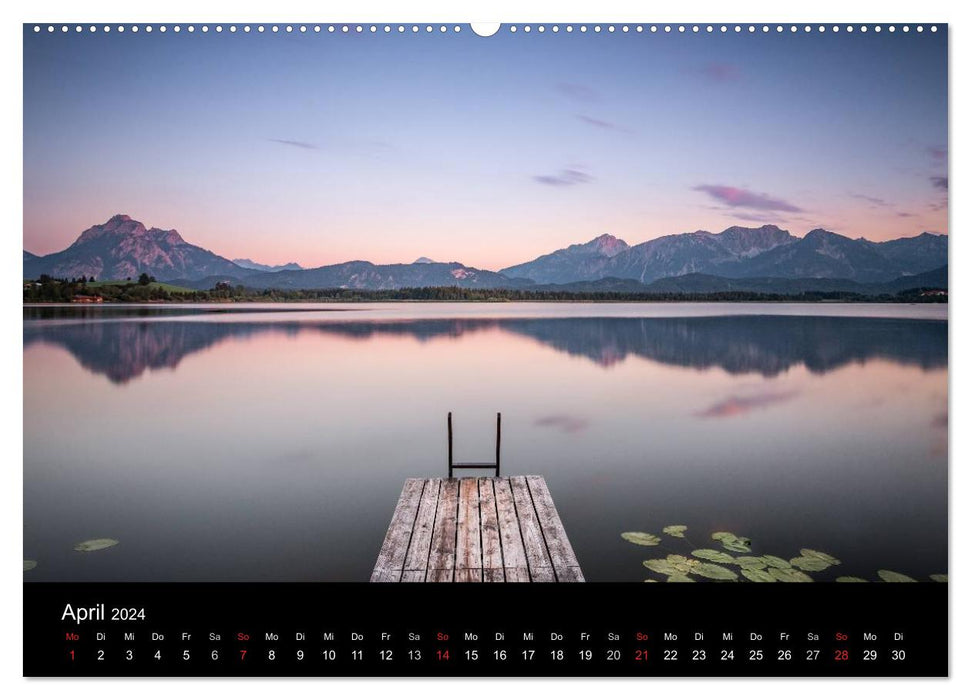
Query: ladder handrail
x,y
452,465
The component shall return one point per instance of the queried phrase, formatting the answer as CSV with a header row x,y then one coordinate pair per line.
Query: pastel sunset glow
x,y
322,148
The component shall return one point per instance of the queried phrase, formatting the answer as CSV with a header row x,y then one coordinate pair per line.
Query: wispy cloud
x,y
563,422
565,178
602,123
738,197
939,182
758,218
938,153
296,144
740,405
875,201
578,92
879,203
718,72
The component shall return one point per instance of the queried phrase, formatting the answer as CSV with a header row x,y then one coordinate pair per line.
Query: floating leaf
x,y
713,555
675,530
680,578
758,575
29,564
894,577
650,580
809,563
776,562
641,538
736,546
940,578
95,545
732,542
662,566
850,579
714,571
789,575
823,556
750,562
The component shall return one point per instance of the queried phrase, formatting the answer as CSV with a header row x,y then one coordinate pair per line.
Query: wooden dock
x,y
492,529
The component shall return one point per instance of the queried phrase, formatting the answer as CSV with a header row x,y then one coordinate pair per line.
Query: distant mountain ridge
x,y
767,251
123,248
259,267
576,263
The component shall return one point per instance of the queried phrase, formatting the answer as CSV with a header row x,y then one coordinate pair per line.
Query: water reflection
x,y
766,345
277,449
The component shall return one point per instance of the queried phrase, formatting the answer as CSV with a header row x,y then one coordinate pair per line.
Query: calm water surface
x,y
270,442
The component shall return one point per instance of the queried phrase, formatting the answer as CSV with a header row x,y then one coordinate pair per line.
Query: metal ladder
x,y
474,465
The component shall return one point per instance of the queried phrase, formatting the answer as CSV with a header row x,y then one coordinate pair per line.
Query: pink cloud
x,y
721,72
738,197
740,405
565,423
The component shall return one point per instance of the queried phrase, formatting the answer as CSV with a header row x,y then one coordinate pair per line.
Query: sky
x,y
490,151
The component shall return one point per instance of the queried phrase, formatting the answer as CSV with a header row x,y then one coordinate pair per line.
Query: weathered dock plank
x,y
421,541
561,553
489,519
510,537
537,557
444,533
468,544
496,529
391,558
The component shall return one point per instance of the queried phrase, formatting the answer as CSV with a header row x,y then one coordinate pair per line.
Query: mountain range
x,y
738,258
259,267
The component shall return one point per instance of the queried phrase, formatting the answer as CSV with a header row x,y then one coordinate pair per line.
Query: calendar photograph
x,y
394,306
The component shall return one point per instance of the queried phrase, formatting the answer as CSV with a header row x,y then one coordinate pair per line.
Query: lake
x,y
270,442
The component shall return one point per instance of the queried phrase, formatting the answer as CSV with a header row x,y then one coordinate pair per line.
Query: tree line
x,y
47,289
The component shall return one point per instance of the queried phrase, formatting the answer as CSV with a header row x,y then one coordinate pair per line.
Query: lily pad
x,y
642,538
662,566
823,556
940,578
650,580
732,542
29,564
675,530
850,579
758,575
809,563
714,572
736,546
750,562
776,562
680,578
95,545
714,555
894,577
790,575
